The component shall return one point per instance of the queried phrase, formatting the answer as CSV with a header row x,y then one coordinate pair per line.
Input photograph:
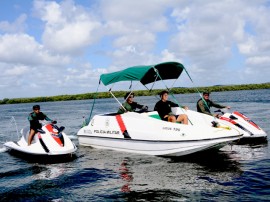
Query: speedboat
x,y
49,143
145,132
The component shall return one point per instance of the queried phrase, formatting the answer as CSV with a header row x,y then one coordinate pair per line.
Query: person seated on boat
x,y
34,118
163,107
204,104
129,105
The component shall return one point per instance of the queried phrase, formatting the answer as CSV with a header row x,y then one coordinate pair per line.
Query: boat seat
x,y
156,116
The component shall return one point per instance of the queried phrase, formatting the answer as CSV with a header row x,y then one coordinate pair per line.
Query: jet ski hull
x,y
50,144
249,128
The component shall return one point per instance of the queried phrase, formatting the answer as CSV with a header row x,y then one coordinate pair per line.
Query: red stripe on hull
x,y
54,134
247,119
121,123
228,119
122,126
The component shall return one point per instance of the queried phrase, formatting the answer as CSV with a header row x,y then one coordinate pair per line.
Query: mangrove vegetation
x,y
99,95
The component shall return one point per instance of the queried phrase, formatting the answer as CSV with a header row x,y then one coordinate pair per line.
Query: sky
x,y
52,48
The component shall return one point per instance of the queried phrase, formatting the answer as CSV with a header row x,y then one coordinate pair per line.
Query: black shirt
x,y
34,119
164,108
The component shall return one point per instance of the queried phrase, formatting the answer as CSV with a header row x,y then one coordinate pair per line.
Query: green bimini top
x,y
145,74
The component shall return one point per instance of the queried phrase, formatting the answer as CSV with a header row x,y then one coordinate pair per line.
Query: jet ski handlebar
x,y
222,111
44,122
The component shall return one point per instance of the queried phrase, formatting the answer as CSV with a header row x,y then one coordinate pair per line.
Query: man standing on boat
x,y
34,118
204,104
163,107
129,105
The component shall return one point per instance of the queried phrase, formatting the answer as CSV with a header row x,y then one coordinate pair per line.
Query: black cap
x,y
36,107
206,93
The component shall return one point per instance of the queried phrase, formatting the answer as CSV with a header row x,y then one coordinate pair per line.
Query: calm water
x,y
235,173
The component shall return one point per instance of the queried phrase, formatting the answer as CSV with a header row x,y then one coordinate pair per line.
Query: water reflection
x,y
158,179
212,160
253,142
49,172
177,177
252,151
125,175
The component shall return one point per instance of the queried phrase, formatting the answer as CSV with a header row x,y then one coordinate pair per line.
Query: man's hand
x,y
217,115
185,107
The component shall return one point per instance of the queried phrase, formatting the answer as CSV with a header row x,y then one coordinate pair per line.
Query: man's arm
x,y
173,104
217,105
176,105
46,117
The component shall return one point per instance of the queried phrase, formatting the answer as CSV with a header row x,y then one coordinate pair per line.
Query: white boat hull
x,y
145,134
157,148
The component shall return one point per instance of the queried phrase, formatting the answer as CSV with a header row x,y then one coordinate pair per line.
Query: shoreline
x,y
100,95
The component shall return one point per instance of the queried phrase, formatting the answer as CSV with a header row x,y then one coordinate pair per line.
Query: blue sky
x,y
61,47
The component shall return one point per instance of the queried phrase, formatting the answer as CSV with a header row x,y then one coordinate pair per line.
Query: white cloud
x,y
261,61
16,71
208,31
19,25
23,49
248,47
134,25
65,49
68,28
135,40
134,12
169,56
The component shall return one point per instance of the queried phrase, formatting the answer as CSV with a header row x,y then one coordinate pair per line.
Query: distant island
x,y
100,95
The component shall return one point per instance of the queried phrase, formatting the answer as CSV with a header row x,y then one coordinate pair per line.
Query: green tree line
x,y
100,95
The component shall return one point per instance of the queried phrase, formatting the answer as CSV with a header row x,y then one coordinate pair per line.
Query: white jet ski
x,y
235,120
244,124
50,142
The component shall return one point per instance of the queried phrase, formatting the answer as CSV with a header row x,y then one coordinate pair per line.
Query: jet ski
x,y
239,121
49,143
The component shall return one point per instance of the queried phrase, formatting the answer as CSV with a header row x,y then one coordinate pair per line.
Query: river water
x,y
234,173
